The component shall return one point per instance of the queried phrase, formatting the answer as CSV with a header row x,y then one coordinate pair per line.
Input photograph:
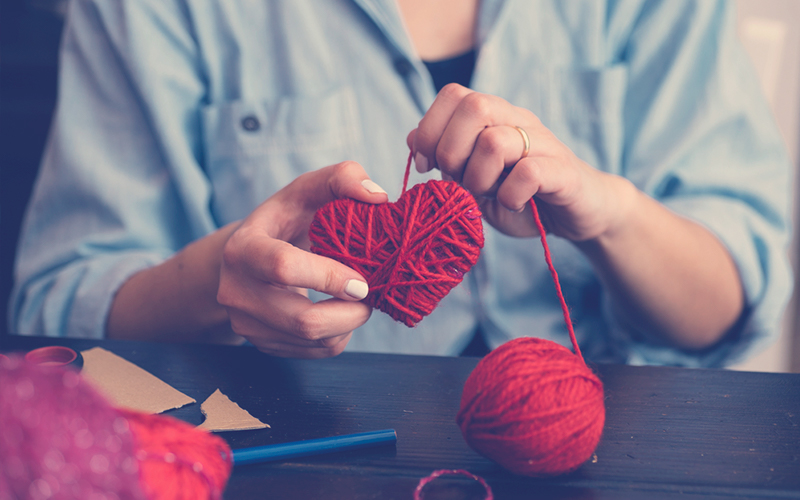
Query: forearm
x,y
176,300
668,277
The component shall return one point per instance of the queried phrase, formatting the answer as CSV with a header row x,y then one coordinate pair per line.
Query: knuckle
x,y
478,105
490,141
345,167
454,92
231,251
309,325
425,138
283,267
447,160
533,118
333,346
527,171
336,350
329,342
331,282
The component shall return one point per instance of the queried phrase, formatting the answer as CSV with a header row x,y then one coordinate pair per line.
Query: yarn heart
x,y
412,252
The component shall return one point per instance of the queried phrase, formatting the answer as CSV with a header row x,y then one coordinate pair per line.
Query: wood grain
x,y
670,432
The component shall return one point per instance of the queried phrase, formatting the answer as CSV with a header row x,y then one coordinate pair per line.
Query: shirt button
x,y
251,123
403,66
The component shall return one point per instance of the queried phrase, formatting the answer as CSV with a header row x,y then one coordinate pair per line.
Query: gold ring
x,y
526,141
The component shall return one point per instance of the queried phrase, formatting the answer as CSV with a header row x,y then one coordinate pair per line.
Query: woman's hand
x,y
472,138
266,268
249,278
669,278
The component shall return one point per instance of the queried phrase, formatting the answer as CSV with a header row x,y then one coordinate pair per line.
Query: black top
x,y
457,69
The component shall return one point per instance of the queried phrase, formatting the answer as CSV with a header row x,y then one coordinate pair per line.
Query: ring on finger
x,y
526,142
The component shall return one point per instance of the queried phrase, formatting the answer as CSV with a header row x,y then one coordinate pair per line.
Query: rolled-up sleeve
x,y
120,187
700,139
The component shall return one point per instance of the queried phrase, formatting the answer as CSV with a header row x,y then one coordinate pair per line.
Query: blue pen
x,y
274,452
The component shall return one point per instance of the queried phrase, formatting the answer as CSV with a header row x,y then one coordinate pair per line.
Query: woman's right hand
x,y
266,269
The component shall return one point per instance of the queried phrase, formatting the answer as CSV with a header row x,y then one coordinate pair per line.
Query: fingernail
x,y
356,289
372,187
421,163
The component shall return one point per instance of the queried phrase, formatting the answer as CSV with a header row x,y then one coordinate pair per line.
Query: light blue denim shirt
x,y
176,117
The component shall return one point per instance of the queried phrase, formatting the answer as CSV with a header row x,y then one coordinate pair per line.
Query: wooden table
x,y
670,432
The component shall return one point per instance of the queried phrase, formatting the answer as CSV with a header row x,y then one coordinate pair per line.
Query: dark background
x,y
29,37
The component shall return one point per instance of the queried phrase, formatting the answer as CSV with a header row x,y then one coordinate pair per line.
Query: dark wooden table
x,y
670,432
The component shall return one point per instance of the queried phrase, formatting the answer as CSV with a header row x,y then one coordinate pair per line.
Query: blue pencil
x,y
274,452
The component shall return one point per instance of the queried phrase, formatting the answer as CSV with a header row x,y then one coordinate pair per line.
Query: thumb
x,y
287,214
410,139
343,180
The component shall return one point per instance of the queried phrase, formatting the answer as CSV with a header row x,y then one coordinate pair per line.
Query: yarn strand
x,y
408,171
549,260
547,257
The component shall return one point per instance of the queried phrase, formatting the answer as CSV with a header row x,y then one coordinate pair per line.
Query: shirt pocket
x,y
253,149
586,112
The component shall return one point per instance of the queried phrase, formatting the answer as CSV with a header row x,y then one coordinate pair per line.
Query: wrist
x,y
624,206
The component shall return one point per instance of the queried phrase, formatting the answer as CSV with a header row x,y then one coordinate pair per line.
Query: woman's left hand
x,y
472,138
647,256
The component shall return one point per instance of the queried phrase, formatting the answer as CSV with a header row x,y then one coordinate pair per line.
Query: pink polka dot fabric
x,y
59,439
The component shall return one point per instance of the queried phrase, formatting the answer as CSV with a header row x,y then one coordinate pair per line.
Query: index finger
x,y
281,263
433,124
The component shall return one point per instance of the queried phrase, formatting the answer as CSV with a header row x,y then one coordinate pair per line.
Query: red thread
x,y
177,460
411,252
534,407
531,405
549,260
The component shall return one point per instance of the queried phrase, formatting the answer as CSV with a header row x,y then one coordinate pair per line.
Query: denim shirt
x,y
176,117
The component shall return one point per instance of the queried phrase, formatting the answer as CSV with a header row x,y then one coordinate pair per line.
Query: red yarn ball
x,y
533,407
178,461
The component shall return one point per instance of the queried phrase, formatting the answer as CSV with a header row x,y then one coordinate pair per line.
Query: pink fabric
x,y
59,439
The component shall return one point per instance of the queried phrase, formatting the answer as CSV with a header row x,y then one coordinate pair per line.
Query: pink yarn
x,y
452,472
59,439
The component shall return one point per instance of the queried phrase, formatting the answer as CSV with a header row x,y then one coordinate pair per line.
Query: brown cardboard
x,y
222,414
127,385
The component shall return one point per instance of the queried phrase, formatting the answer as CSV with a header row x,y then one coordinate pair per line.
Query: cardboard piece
x,y
127,385
222,414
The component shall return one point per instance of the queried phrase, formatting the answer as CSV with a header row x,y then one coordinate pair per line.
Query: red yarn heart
x,y
412,252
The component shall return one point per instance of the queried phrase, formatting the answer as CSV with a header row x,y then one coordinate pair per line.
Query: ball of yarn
x,y
60,439
412,252
533,407
177,460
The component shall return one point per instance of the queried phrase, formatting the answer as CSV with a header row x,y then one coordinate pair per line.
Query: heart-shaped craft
x,y
412,252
